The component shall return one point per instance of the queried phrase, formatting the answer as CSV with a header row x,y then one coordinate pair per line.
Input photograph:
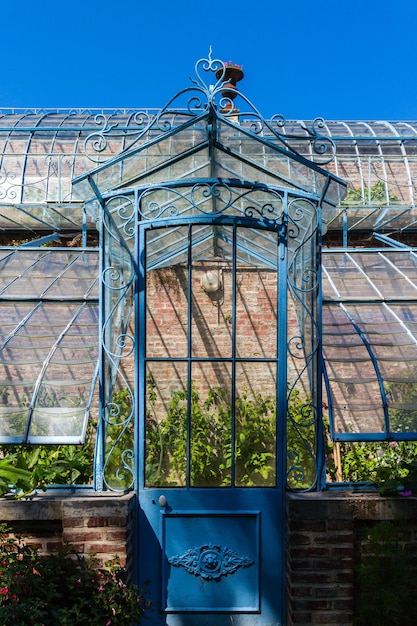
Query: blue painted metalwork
x,y
230,515
253,204
376,367
118,272
211,562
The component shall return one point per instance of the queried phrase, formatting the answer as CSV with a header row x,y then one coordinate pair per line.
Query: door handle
x,y
162,501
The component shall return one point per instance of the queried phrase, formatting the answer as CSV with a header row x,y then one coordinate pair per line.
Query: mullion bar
x,y
189,357
233,361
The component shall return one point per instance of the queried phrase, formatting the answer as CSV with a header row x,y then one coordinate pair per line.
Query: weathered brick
x,y
73,522
82,535
104,522
109,548
331,618
299,539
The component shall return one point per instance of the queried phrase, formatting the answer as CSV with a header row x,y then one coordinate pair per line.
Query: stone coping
x,y
60,505
335,504
348,505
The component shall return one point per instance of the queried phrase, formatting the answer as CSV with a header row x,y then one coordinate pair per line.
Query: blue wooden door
x,y
212,325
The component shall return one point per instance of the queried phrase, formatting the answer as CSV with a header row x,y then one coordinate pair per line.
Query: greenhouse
x,y
217,305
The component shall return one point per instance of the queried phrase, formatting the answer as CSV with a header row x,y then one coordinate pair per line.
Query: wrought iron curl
x,y
267,212
211,190
124,341
10,192
297,212
141,118
195,105
208,65
322,144
295,471
155,210
125,472
227,103
278,120
113,278
124,212
306,415
309,280
296,346
115,417
127,217
97,139
112,412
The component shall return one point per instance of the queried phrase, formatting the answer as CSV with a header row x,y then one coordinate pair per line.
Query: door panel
x,y
211,532
214,564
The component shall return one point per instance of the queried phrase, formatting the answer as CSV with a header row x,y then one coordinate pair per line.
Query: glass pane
x,y
56,422
166,424
211,425
167,301
301,436
402,403
256,312
255,425
212,296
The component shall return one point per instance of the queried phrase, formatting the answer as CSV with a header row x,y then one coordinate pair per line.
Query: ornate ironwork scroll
x,y
213,197
210,90
303,348
210,562
117,345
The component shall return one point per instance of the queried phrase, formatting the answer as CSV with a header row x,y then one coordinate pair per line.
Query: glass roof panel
x,y
355,393
48,343
353,275
370,344
43,151
48,360
62,398
38,273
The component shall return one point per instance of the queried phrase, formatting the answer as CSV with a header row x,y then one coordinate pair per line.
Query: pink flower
x,y
393,444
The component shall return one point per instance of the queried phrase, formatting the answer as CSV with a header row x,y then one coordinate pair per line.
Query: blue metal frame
x,y
206,201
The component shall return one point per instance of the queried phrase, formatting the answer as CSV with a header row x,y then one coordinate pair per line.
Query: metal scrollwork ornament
x,y
210,562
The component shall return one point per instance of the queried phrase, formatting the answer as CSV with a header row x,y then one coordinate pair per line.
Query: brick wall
x,y
212,325
324,548
325,540
94,523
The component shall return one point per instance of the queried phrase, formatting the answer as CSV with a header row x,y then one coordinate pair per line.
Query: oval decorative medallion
x,y
211,562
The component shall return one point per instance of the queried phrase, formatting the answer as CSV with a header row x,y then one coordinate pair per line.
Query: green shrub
x,y
38,466
391,466
211,439
63,589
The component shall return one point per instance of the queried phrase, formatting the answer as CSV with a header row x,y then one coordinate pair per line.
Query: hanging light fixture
x,y
211,282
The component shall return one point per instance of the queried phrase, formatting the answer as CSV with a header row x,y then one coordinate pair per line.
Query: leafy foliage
x,y
402,398
301,442
119,441
37,466
10,474
211,439
389,465
385,596
63,588
374,195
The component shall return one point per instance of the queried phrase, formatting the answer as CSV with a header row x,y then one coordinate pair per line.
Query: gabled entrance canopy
x,y
201,136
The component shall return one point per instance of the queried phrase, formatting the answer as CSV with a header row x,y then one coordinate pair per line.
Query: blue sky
x,y
303,59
